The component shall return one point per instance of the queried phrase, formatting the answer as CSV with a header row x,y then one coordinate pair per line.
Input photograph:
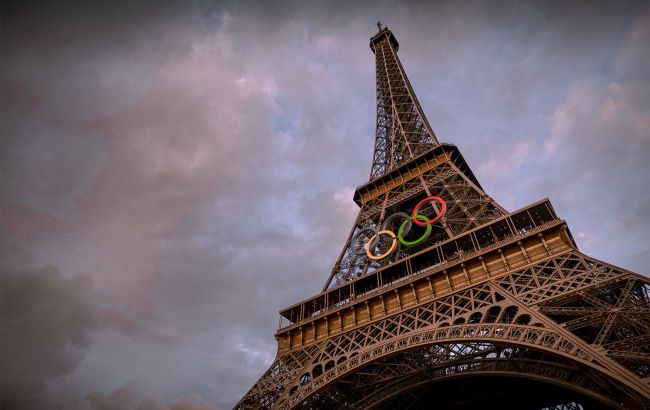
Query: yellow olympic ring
x,y
383,255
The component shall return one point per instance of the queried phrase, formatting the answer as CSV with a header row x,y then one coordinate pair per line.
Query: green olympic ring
x,y
400,233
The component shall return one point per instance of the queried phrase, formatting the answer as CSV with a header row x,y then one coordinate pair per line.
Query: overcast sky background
x,y
174,174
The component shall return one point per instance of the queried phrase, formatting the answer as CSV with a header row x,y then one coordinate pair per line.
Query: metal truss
x,y
565,406
507,313
440,364
468,207
402,129
494,307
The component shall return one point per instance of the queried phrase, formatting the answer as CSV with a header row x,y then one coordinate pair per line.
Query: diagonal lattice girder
x,y
467,207
405,330
402,131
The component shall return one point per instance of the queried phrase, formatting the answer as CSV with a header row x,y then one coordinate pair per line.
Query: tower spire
x,y
402,130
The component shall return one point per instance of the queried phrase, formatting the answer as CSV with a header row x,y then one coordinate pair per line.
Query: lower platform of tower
x,y
526,322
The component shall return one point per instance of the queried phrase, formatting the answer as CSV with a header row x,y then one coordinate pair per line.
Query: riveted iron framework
x,y
403,132
494,307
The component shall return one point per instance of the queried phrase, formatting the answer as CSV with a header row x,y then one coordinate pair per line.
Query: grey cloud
x,y
47,327
599,142
132,396
126,397
182,156
193,402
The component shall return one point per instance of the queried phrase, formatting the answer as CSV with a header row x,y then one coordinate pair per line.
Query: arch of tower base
x,y
495,391
390,381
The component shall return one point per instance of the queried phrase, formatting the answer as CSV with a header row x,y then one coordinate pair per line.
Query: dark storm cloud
x,y
172,165
197,160
131,397
47,323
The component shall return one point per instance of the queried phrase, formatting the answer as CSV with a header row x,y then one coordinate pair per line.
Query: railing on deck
x,y
522,223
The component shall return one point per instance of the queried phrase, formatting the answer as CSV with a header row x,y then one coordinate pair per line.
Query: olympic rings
x,y
443,209
404,229
388,252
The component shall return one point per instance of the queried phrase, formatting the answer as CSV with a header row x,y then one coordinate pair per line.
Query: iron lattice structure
x,y
495,309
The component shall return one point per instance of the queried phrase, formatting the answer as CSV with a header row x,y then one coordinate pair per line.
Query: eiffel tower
x,y
441,298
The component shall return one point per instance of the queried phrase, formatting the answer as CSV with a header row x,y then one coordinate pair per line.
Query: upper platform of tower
x,y
381,35
404,140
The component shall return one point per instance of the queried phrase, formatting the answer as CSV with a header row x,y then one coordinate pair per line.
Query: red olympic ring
x,y
443,209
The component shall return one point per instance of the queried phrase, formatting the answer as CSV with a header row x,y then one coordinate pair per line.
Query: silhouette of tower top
x,y
381,34
402,130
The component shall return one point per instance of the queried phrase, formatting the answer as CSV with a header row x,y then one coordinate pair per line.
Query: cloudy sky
x,y
174,174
